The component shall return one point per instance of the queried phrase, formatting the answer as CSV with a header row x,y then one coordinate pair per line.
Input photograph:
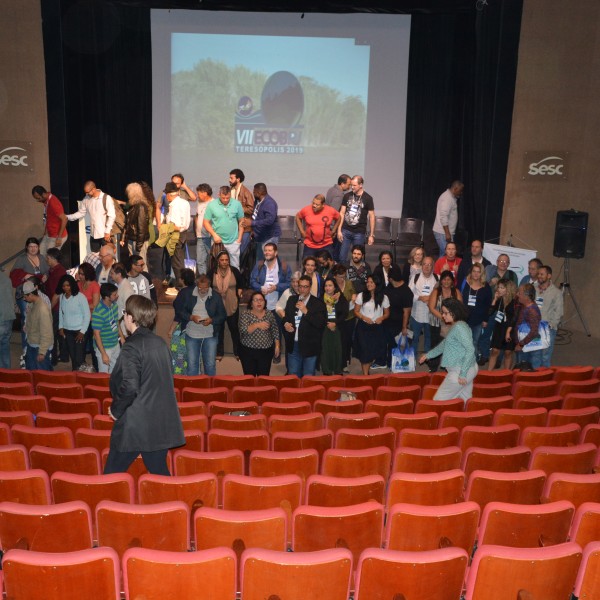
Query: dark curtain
x,y
105,71
460,96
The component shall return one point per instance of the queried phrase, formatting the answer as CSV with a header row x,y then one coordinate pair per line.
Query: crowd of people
x,y
334,308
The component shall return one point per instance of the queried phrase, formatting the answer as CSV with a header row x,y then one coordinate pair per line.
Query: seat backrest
x,y
362,420
186,575
289,408
53,437
12,417
426,489
572,487
503,460
258,394
523,417
338,462
563,435
296,575
521,488
324,490
386,407
353,527
33,403
268,463
163,526
302,394
91,406
305,422
62,527
588,415
366,438
439,406
60,390
13,457
427,420
195,490
320,440
93,573
426,460
433,438
83,461
72,421
399,574
547,573
586,524
558,459
238,423
495,437
450,418
587,584
525,525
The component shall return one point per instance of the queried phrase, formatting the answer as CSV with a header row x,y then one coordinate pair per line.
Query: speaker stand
x,y
565,286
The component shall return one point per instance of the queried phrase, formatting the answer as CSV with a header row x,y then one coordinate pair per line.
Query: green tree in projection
x,y
204,101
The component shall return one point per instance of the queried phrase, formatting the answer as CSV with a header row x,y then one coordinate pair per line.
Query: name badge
x,y
297,319
269,278
353,210
426,289
331,313
539,301
113,325
472,299
500,317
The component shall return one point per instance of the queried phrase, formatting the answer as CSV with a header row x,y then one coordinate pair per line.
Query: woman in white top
x,y
371,308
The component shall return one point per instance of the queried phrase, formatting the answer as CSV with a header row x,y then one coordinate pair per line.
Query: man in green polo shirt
x,y
223,220
105,324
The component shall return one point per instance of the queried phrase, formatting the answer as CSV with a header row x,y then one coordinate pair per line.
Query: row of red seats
x,y
551,573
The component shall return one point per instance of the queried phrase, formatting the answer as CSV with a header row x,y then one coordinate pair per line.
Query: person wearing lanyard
x,y
303,324
477,297
503,311
332,360
550,301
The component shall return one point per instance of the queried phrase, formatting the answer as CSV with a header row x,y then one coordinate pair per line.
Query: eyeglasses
x,y
140,264
303,285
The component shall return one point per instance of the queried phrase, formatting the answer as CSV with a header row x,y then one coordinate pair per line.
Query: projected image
x,y
298,104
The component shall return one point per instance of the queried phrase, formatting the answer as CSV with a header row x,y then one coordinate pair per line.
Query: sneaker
x,y
378,366
22,361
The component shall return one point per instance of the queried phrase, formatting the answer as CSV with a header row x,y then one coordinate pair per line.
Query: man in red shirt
x,y
317,224
55,220
448,262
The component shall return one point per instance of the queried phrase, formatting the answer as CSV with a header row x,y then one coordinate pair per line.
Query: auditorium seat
x,y
312,421
373,381
582,416
590,434
363,392
388,393
289,408
578,400
561,435
65,406
92,573
523,417
586,524
238,422
60,390
53,377
558,459
408,379
492,390
303,394
223,408
503,460
362,420
426,489
415,528
439,406
325,490
587,584
279,381
520,488
14,417
270,463
549,403
82,461
93,438
320,440
327,381
96,391
19,388
497,376
573,374
413,392
230,381
34,403
72,421
31,486
366,438
426,460
533,376
193,407
338,462
460,419
429,438
385,407
426,420
494,437
586,386
575,488
13,457
180,382
16,376
206,395
54,437
84,378
334,406
492,404
258,394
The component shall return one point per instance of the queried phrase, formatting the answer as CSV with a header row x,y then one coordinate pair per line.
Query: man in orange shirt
x,y
317,224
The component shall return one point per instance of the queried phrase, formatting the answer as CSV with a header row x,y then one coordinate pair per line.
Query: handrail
x,y
11,258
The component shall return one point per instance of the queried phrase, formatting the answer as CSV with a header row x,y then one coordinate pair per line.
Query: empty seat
x,y
398,574
408,379
338,462
492,390
319,440
439,406
562,435
258,394
362,392
366,438
65,527
391,393
22,388
13,457
246,441
460,420
497,436
429,391
26,487
549,403
503,460
92,573
16,376
539,375
324,490
491,486
53,377
14,417
305,422
582,416
269,463
73,421
573,487
30,402
53,437
558,459
523,417
279,381
100,392
426,489
230,381
497,376
587,584
206,395
181,382
373,381
535,389
576,400
296,575
192,407
426,460
586,524
289,408
164,526
327,381
189,462
433,438
91,406
412,392
499,572
334,406
587,386
216,407
427,420
239,422
303,394
354,527
590,434
60,390
92,378
492,404
83,461
414,528
363,420
386,407
573,373
93,438
154,574
525,525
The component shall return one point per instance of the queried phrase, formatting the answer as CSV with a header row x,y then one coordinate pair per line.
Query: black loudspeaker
x,y
570,234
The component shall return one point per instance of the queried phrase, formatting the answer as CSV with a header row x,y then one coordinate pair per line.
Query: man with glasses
x,y
140,280
303,324
107,260
105,325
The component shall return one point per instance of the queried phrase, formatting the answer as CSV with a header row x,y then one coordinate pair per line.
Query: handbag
x,y
541,342
189,263
403,356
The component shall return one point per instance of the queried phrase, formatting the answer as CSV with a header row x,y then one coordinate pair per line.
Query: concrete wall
x,y
557,110
23,118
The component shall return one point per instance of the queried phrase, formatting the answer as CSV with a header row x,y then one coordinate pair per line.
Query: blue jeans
x,y
22,308
300,365
547,352
535,358
417,328
5,333
260,245
350,239
485,337
31,361
205,347
245,241
440,239
203,246
476,331
314,251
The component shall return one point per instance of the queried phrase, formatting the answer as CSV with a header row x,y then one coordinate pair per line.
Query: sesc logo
x,y
546,165
15,155
551,165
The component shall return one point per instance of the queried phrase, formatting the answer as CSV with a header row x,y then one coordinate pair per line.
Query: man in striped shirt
x,y
105,324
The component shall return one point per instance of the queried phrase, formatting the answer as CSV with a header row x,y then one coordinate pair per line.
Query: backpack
x,y
119,224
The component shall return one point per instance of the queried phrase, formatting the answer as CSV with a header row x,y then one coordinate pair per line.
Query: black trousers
x,y
75,349
256,362
178,257
119,462
232,323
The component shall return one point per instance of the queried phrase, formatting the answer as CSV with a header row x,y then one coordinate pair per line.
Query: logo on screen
x,y
15,156
274,128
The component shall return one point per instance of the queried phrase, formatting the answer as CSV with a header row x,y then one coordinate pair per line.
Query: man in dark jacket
x,y
304,321
265,225
144,406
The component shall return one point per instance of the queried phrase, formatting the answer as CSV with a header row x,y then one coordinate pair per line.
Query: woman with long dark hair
x,y
332,355
386,261
73,319
371,308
